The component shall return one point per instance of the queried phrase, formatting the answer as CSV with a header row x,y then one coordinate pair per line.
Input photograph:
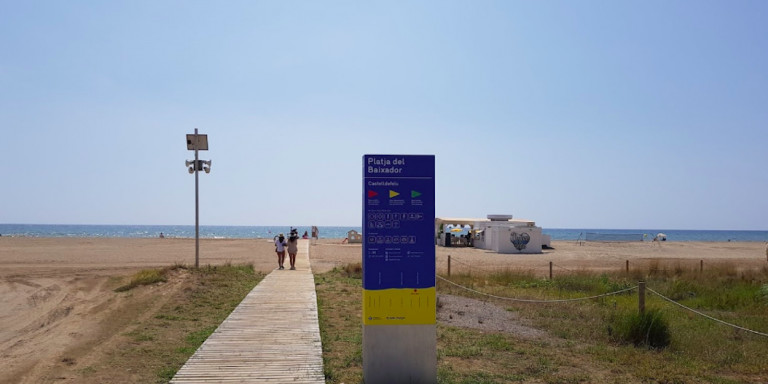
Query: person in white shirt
x,y
280,250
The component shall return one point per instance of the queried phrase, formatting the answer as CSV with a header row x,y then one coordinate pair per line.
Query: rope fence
x,y
532,300
705,315
563,268
625,267
641,299
490,269
475,266
461,262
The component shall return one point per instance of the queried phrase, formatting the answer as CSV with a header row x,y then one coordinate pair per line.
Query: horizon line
x,y
360,226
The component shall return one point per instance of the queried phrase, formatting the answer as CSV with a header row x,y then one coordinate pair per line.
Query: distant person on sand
x,y
293,249
280,250
162,236
305,236
315,232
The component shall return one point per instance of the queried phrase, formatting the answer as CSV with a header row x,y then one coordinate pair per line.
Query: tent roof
x,y
456,220
465,220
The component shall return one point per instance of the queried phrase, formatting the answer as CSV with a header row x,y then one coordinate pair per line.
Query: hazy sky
x,y
575,114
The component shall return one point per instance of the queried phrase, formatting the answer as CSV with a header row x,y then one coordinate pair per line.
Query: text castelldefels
x,y
378,165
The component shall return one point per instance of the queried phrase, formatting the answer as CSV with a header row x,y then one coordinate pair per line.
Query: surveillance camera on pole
x,y
197,142
202,165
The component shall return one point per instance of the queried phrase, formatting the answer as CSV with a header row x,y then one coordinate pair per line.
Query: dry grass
x,y
581,346
157,341
144,277
340,313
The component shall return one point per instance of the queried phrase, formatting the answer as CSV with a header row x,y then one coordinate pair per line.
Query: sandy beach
x,y
58,307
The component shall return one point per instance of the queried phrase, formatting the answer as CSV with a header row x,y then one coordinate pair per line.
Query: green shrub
x,y
649,329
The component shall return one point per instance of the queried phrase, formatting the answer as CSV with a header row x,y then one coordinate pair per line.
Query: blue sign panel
x,y
398,222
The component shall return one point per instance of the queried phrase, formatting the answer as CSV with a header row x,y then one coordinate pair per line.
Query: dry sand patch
x,y
58,310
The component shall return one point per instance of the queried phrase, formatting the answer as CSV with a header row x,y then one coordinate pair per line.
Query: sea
x,y
331,232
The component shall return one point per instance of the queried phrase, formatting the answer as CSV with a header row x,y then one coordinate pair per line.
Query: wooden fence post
x,y
550,270
641,296
449,265
627,266
701,266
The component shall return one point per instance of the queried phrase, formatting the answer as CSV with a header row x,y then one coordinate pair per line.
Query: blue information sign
x,y
398,238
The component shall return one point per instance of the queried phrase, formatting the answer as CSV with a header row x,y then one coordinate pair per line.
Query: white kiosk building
x,y
498,233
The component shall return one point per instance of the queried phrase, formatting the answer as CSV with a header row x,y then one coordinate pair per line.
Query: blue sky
x,y
591,114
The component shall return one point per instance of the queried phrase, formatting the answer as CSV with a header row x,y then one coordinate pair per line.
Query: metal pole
x,y
197,210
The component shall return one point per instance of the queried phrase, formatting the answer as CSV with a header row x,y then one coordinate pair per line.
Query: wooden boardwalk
x,y
273,336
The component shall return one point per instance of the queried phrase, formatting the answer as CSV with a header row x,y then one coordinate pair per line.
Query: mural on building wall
x,y
519,240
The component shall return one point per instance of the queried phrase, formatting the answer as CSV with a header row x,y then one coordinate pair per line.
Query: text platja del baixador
x,y
384,165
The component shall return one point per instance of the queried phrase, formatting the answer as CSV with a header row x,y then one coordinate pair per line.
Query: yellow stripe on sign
x,y
405,306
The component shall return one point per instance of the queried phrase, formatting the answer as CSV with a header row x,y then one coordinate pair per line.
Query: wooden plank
x,y
273,336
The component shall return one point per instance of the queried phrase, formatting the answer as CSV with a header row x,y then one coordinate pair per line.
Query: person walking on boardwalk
x,y
280,250
293,247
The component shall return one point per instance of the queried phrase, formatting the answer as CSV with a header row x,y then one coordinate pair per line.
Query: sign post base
x,y
400,354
